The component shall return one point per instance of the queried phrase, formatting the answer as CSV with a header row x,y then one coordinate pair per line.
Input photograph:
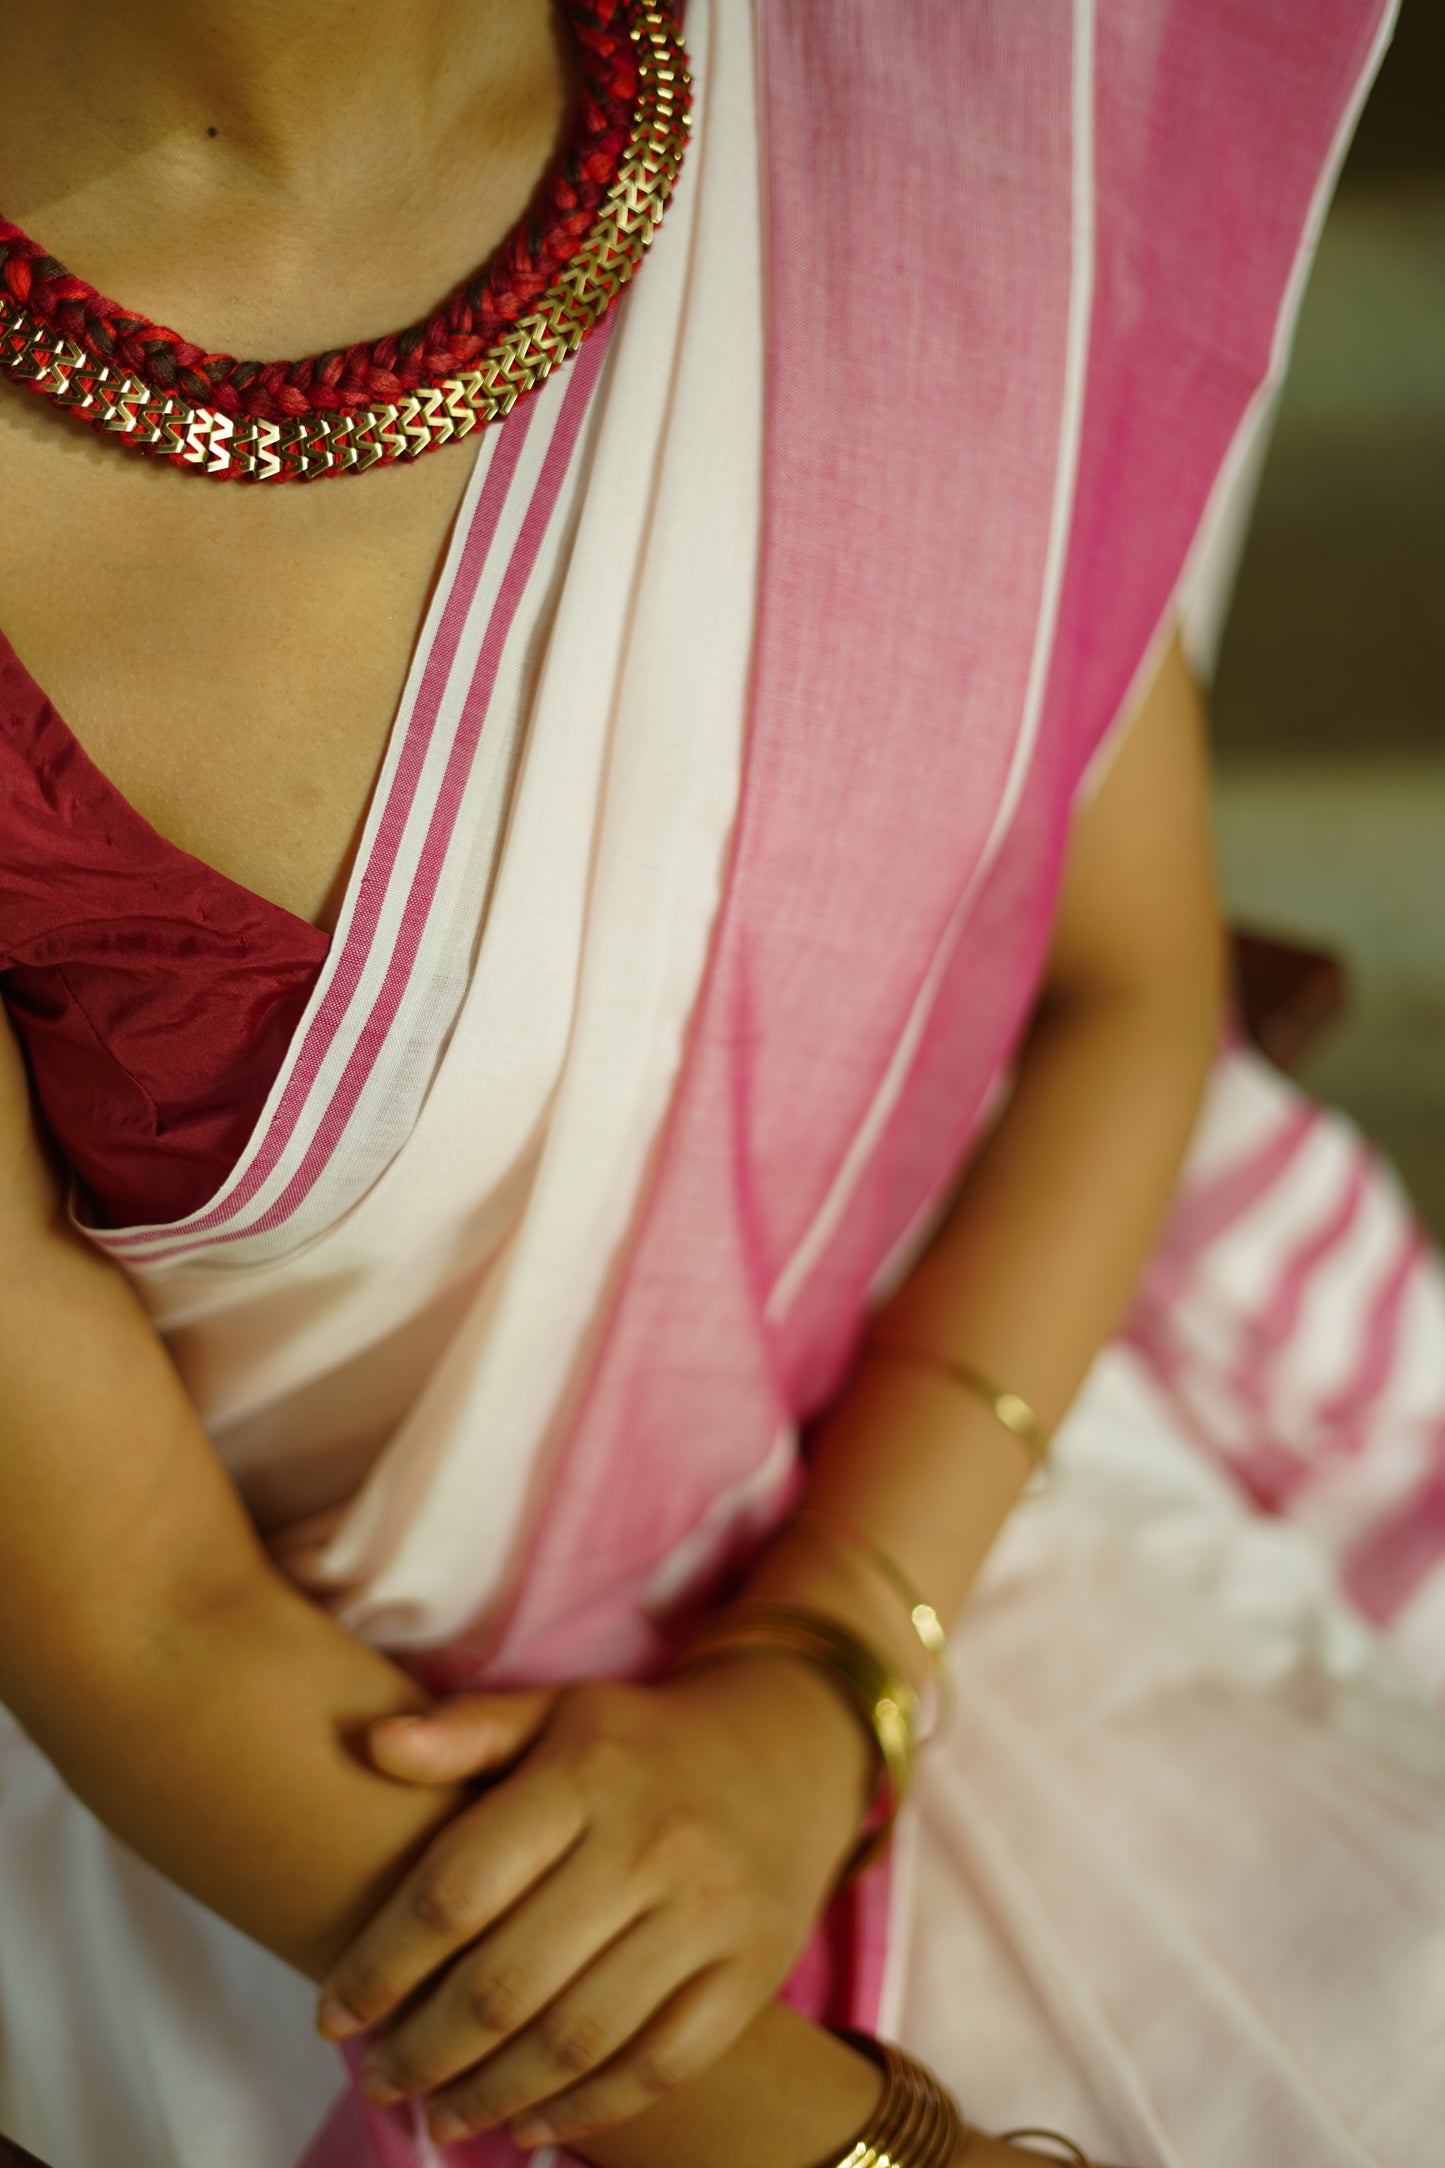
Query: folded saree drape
x,y
637,1068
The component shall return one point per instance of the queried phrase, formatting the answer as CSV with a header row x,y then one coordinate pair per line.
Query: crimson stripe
x,y
432,857
376,874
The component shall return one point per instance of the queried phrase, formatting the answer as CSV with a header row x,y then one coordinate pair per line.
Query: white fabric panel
x,y
1179,1886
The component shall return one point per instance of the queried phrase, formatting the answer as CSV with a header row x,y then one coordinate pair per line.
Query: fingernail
x,y
445,2128
534,2131
334,2021
379,2089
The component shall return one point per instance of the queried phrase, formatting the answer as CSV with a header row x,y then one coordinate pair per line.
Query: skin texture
x,y
364,162
287,1798
165,1619
1051,1222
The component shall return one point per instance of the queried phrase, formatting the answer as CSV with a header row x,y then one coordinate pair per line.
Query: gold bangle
x,y
925,1621
882,1699
916,2123
1008,1408
1055,2137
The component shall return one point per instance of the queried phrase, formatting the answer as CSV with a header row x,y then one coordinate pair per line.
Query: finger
x,y
503,1981
487,1857
464,1737
581,2027
700,2022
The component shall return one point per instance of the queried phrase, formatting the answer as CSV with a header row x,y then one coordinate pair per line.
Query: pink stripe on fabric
x,y
876,761
1273,1474
1345,1414
1217,124
376,875
1218,1204
1270,1329
460,762
444,817
1201,1216
1272,1471
1389,1565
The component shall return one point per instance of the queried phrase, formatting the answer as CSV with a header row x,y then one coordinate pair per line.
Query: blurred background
x,y
1329,703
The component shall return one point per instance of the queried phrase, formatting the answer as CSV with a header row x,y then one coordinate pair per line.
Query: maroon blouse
x,y
154,998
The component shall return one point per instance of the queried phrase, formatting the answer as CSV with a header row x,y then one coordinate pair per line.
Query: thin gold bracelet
x,y
1056,2137
925,1621
1008,1408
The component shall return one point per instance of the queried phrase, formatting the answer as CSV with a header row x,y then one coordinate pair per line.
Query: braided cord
x,y
472,319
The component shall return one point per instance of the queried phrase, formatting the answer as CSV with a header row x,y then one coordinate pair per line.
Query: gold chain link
x,y
309,446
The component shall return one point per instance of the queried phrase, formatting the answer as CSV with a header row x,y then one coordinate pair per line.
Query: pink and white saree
x,y
699,910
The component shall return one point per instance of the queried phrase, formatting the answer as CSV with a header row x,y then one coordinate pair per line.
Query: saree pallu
x,y
625,1090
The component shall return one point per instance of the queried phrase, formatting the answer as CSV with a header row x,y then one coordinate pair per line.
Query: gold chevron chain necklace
x,y
494,339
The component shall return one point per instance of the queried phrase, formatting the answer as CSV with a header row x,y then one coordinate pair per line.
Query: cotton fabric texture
x,y
680,968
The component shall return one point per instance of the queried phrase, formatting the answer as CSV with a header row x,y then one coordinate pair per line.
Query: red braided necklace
x,y
491,341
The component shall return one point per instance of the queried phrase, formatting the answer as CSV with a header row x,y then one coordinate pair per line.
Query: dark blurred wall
x,y
1329,701
1337,637
1402,133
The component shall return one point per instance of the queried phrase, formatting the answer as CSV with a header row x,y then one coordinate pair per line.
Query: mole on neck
x,y
300,89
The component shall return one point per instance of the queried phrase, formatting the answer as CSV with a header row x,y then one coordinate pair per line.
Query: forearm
x,y
784,2096
1035,1261
197,1703
228,1752
214,1719
225,1746
1025,1278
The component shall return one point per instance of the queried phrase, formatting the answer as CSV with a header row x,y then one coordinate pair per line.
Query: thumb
x,y
468,1735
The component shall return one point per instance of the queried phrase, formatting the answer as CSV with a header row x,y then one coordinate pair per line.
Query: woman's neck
x,y
200,154
290,86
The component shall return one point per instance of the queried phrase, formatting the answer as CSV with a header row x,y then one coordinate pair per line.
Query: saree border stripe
x,y
416,724
384,1011
1158,153
813,1242
398,876
867,747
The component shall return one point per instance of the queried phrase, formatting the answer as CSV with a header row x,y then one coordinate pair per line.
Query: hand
x,y
619,1906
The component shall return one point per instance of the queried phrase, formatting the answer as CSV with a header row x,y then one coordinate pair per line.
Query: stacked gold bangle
x,y
916,2124
882,1699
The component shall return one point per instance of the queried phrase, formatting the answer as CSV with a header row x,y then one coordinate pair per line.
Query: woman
x,y
513,950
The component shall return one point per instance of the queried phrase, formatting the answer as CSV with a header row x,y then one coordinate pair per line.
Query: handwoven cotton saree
x,y
701,906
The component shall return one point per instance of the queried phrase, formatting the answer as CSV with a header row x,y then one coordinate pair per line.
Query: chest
x,y
231,658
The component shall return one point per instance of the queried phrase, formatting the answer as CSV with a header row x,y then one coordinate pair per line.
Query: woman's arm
x,y
1026,1277
1035,1261
187,1693
209,1714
